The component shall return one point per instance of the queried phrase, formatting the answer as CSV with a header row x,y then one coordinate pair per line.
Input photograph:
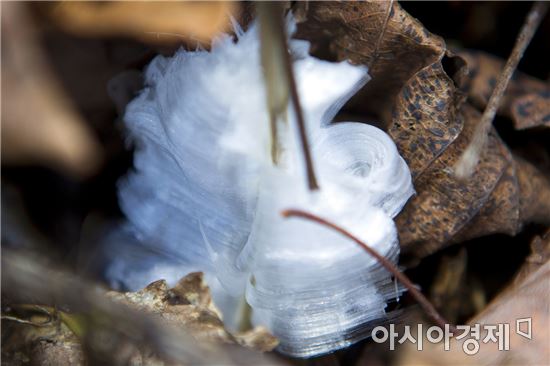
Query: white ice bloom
x,y
205,195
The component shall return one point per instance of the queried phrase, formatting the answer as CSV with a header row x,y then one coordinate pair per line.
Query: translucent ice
x,y
205,195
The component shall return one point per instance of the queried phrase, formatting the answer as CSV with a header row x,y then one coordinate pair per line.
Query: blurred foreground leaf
x,y
39,123
156,325
154,22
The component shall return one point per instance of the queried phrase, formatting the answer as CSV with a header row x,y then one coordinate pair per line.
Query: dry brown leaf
x,y
151,22
39,123
443,204
379,34
189,304
48,342
527,297
431,125
426,118
504,192
540,254
531,110
134,329
526,101
453,292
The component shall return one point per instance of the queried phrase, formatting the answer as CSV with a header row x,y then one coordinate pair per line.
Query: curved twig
x,y
430,310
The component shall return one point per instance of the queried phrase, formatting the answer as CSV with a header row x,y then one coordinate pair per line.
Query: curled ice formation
x,y
205,195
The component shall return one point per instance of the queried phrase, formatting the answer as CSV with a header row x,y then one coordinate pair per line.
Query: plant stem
x,y
280,81
430,310
469,159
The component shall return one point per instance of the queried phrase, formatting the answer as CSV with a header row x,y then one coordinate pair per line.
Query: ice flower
x,y
205,195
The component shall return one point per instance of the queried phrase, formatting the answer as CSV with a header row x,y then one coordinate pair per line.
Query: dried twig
x,y
430,310
311,179
25,321
469,159
280,81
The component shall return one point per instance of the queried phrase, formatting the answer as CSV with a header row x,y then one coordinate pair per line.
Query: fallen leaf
x,y
453,292
540,254
502,194
39,123
38,336
531,110
379,34
525,298
526,100
418,87
151,22
427,118
155,326
190,304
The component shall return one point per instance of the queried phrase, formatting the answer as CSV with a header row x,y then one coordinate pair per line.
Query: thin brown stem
x,y
469,159
311,179
430,310
280,81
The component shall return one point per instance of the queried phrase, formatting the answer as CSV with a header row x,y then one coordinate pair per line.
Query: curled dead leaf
x,y
504,193
379,34
426,117
418,88
443,204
